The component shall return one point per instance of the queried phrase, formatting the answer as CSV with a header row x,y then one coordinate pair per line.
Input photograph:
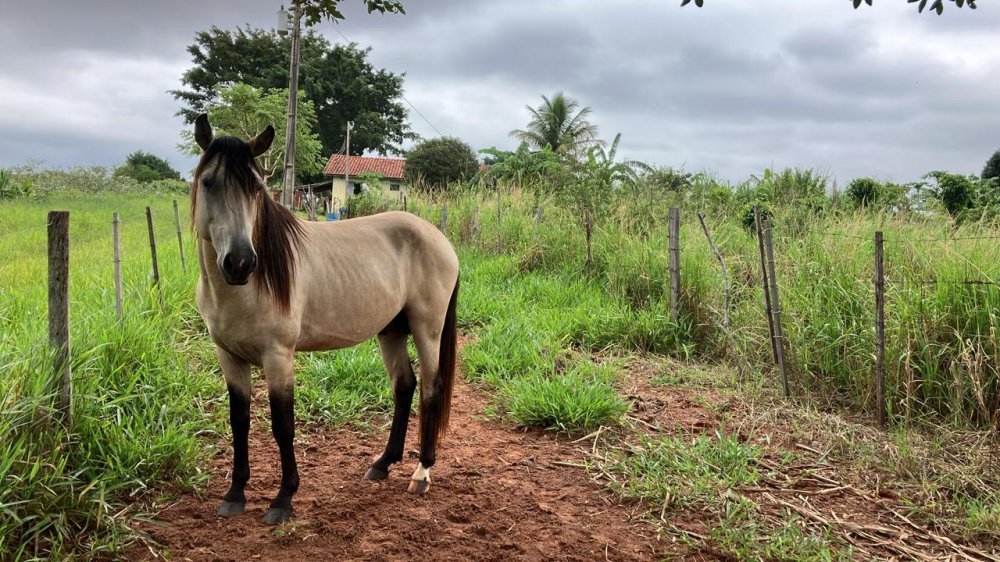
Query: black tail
x,y
447,363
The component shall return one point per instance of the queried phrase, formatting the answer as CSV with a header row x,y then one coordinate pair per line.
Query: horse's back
x,y
359,274
396,236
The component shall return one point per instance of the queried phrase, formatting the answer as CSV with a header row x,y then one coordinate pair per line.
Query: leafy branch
x,y
936,5
317,10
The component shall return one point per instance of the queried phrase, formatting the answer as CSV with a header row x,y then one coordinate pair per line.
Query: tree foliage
x,y
243,111
561,125
956,192
992,168
318,10
873,194
936,5
145,167
525,167
438,162
339,80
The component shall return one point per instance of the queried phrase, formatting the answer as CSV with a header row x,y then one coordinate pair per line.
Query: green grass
x,y
682,472
698,474
939,331
143,386
538,323
578,400
342,386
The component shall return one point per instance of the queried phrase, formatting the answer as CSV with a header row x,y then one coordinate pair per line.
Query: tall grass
x,y
142,387
941,332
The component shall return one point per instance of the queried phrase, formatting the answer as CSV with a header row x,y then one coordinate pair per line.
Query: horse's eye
x,y
207,182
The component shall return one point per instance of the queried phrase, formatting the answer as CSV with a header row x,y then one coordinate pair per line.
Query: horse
x,y
272,284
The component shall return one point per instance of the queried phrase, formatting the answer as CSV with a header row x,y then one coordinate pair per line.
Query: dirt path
x,y
498,494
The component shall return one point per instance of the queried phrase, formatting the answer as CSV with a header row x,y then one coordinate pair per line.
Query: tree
x,y
318,10
936,5
339,80
864,192
955,191
145,167
243,111
438,162
992,168
558,124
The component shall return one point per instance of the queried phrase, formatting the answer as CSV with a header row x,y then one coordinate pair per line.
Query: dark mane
x,y
277,232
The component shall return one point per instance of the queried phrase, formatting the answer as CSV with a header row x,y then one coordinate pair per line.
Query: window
x,y
393,187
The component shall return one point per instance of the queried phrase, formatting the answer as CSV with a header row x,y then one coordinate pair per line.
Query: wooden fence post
x,y
152,246
588,227
725,275
118,265
180,239
475,223
406,206
880,332
444,219
674,248
779,338
764,283
538,215
58,250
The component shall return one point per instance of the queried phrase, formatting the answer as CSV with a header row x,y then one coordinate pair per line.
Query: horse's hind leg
x,y
237,373
397,363
428,344
281,395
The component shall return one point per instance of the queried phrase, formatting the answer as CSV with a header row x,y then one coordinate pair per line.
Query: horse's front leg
x,y
237,373
281,395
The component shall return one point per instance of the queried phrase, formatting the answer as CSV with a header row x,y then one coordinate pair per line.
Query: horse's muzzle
x,y
237,267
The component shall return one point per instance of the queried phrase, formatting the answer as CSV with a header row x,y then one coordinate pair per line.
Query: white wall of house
x,y
341,191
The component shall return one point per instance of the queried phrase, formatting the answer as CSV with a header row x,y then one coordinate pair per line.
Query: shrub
x,y
145,167
438,162
992,168
864,192
11,188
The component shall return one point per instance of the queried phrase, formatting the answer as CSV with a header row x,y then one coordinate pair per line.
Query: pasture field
x,y
684,431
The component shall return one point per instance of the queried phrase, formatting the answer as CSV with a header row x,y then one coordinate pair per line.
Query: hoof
x,y
232,509
375,473
419,487
277,515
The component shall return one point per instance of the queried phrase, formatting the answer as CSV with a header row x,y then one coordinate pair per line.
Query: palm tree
x,y
558,125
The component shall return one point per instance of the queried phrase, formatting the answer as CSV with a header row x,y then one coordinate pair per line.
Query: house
x,y
391,170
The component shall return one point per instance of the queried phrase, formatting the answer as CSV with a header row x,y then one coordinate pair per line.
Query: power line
x,y
408,102
421,115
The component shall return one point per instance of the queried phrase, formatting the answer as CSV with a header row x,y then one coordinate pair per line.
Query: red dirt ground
x,y
497,494
500,493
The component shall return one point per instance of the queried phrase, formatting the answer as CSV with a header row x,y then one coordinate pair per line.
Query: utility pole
x,y
347,160
288,187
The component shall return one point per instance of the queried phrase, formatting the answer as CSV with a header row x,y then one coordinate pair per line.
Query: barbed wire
x,y
23,230
886,238
845,235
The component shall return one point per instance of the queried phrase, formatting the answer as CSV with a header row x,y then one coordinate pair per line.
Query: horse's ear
x,y
202,131
262,142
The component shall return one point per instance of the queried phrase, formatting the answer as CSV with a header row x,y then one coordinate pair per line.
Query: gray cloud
x,y
732,88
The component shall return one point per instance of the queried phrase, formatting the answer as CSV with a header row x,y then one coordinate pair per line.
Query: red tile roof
x,y
390,168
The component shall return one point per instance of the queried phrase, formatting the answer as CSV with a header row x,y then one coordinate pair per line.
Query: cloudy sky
x,y
732,88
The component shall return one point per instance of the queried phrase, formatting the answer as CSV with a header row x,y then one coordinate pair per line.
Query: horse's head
x,y
226,197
